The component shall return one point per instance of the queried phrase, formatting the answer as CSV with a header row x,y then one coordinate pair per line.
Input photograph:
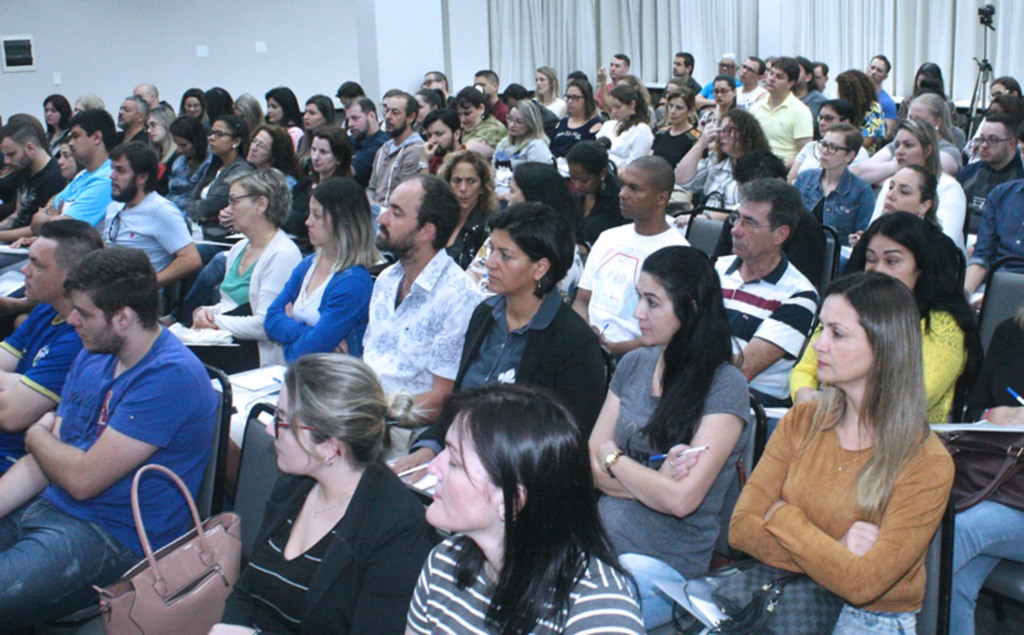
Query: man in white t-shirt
x,y
750,75
607,291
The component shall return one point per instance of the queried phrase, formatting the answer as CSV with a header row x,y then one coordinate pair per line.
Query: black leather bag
x,y
763,599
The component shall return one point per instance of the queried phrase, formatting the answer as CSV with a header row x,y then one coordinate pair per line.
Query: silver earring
x,y
329,462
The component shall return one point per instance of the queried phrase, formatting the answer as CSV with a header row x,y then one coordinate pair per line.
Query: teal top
x,y
236,283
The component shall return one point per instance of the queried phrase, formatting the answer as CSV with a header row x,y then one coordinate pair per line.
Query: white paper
x,y
980,426
426,484
269,377
11,282
705,611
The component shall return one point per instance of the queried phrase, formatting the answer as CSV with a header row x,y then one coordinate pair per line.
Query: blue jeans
x,y
49,561
985,534
203,290
853,621
655,606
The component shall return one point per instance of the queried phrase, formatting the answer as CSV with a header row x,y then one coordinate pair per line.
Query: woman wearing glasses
x,y
343,540
834,195
724,92
832,112
229,144
582,122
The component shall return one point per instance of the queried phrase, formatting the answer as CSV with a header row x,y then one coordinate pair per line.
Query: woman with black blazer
x,y
343,540
525,334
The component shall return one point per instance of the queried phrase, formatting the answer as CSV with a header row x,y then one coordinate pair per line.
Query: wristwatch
x,y
610,460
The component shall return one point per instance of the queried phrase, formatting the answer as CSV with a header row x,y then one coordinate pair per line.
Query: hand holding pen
x,y
679,460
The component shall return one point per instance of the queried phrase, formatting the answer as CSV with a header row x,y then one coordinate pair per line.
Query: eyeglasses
x,y
831,148
750,69
722,91
114,227
747,223
726,65
233,200
217,134
992,141
728,131
279,423
259,145
515,120
828,118
569,97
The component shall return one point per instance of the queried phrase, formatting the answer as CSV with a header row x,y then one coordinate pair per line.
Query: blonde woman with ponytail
x,y
343,540
853,485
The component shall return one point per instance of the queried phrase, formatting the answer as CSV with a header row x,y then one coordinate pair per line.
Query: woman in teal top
x,y
257,269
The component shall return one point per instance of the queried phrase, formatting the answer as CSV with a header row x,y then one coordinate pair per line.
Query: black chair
x,y
702,233
1004,294
752,450
210,500
933,619
257,474
830,270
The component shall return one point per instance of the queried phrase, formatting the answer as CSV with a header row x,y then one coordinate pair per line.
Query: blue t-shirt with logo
x,y
166,400
45,346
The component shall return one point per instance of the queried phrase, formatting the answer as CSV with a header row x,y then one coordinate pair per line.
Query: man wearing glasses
x,y
726,66
999,163
751,72
141,218
769,304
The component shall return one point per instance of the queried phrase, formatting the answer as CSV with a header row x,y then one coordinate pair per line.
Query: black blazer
x,y
564,358
365,582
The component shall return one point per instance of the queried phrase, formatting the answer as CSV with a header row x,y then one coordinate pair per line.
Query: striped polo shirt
x,y
778,308
603,601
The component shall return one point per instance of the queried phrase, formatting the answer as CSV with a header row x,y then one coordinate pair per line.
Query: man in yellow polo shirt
x,y
786,121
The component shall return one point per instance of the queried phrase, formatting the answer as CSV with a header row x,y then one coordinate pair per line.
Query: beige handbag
x,y
181,589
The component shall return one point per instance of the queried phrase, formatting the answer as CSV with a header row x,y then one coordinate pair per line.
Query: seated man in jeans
x,y
135,396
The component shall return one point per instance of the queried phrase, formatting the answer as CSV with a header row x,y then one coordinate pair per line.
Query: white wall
x,y
108,47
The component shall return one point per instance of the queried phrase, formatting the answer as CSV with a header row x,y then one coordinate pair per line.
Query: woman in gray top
x,y
661,507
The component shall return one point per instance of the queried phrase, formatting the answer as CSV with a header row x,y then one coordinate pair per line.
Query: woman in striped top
x,y
530,554
342,538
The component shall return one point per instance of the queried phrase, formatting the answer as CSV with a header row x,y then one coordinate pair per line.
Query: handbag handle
x,y
160,586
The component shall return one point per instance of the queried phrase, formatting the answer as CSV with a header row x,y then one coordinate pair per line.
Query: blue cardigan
x,y
344,313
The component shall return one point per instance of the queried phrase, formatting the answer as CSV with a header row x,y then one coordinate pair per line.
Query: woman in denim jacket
x,y
835,195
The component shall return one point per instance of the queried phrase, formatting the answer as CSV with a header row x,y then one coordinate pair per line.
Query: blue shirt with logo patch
x,y
45,347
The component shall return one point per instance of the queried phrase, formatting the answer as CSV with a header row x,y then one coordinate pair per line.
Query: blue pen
x,y
1013,392
662,457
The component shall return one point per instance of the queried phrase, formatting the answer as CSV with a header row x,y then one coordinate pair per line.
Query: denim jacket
x,y
848,208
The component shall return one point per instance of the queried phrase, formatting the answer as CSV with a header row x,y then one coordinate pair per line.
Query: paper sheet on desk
x,y
980,426
426,484
268,377
702,608
11,282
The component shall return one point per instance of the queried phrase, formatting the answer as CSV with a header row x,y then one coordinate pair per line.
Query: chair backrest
x,y
830,268
257,474
211,490
1004,294
933,619
748,459
703,233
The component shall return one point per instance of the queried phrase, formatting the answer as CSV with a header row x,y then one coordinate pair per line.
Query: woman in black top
x,y
525,334
582,122
330,155
597,191
229,145
343,540
472,180
675,140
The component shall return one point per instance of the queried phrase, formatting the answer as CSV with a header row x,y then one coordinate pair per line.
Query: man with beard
x,y
398,159
141,218
421,305
40,176
136,395
131,119
444,135
366,136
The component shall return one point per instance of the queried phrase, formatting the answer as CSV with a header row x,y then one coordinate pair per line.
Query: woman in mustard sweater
x,y
852,486
905,247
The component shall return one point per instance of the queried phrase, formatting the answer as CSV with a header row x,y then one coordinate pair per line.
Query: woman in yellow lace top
x,y
905,247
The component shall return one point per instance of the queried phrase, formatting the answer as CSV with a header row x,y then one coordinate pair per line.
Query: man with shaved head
x,y
606,296
149,93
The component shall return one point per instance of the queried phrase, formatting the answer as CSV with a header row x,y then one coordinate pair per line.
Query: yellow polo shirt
x,y
792,120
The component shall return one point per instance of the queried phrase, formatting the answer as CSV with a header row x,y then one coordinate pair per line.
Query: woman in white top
x,y
629,129
917,143
547,91
258,265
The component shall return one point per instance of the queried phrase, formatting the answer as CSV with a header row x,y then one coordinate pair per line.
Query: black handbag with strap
x,y
988,467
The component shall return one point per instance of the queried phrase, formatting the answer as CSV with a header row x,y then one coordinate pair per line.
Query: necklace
x,y
313,512
839,455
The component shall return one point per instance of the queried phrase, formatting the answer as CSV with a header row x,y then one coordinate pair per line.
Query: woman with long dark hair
x,y
193,104
907,248
330,156
529,554
283,110
853,485
319,114
190,137
596,189
57,113
629,129
662,507
582,121
229,145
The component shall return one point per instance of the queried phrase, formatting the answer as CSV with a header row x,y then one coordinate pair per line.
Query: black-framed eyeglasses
x,y
750,69
233,200
279,423
828,118
722,91
113,227
569,97
831,148
992,141
747,223
217,134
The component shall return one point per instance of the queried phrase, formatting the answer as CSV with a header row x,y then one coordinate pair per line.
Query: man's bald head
x,y
656,171
149,93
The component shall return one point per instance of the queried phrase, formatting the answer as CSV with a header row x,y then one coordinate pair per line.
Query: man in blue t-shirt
x,y
92,136
36,358
878,70
135,396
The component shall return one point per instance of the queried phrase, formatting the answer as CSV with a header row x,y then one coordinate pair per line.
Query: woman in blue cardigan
x,y
326,300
